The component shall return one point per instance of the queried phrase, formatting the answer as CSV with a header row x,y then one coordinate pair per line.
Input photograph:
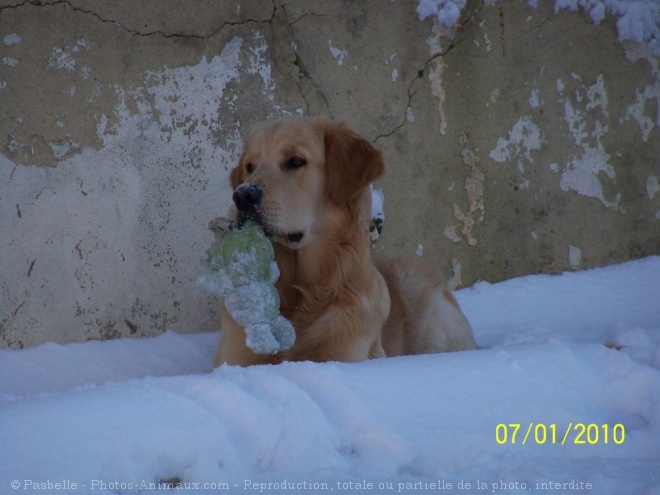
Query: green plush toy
x,y
244,272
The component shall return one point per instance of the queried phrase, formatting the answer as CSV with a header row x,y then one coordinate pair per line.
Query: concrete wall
x,y
529,142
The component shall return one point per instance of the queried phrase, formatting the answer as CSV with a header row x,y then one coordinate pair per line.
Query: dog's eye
x,y
249,168
295,162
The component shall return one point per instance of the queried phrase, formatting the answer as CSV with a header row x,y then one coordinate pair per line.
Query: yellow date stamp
x,y
574,433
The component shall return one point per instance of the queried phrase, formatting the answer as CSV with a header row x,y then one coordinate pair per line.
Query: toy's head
x,y
245,254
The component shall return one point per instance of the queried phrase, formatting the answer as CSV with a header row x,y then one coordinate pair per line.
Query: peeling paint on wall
x,y
534,100
574,257
435,76
119,128
338,54
455,281
440,34
169,113
523,138
644,97
583,173
134,210
474,189
486,39
652,187
410,117
259,64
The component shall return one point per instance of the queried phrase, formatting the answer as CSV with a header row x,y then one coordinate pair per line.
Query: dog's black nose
x,y
247,197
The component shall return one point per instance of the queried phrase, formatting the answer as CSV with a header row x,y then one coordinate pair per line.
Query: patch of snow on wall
x,y
445,12
637,20
12,39
377,212
377,203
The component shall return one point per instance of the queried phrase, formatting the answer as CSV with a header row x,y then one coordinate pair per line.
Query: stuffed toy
x,y
244,272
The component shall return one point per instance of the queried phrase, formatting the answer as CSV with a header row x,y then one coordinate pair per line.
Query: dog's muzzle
x,y
247,197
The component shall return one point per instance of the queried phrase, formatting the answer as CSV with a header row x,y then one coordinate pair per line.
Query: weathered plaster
x,y
108,241
474,190
639,110
549,123
582,173
522,141
523,138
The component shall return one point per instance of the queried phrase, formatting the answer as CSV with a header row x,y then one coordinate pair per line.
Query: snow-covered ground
x,y
131,416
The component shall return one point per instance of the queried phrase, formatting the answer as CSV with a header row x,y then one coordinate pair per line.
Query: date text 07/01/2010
x,y
574,433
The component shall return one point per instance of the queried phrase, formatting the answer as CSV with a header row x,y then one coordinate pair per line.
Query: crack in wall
x,y
136,32
287,57
177,127
404,121
304,16
316,102
411,93
436,59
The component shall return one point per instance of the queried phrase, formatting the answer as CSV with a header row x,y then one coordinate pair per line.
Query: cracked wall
x,y
508,149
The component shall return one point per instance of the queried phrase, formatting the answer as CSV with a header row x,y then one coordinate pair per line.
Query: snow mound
x,y
140,416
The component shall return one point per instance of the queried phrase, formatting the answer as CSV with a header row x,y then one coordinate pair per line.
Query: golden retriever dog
x,y
307,183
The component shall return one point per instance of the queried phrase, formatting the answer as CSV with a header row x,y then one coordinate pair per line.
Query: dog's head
x,y
298,178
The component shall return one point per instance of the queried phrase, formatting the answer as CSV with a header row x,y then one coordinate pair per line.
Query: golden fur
x,y
316,207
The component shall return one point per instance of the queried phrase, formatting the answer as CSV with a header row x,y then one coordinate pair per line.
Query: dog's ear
x,y
351,162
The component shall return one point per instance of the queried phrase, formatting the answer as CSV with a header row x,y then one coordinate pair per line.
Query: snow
x,y
377,213
130,416
377,202
446,12
636,20
12,39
